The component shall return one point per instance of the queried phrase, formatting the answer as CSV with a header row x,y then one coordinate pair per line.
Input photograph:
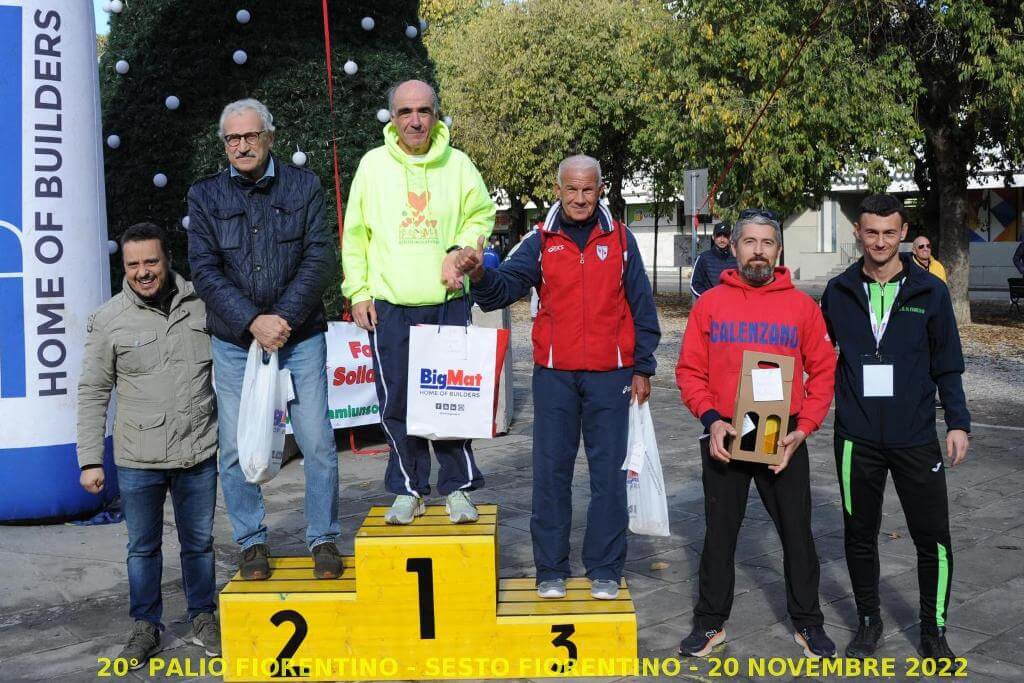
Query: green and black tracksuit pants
x,y
920,480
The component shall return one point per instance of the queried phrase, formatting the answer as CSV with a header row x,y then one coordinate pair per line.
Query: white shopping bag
x,y
645,485
452,383
262,413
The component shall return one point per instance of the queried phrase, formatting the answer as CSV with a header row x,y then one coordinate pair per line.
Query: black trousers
x,y
920,480
408,470
787,498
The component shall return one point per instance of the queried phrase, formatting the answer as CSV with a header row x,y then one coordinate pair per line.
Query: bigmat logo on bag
x,y
53,261
450,380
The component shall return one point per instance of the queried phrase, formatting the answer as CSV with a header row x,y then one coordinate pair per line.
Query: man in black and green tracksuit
x,y
898,342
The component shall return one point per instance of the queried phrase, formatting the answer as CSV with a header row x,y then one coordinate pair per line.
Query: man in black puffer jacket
x,y
261,259
710,265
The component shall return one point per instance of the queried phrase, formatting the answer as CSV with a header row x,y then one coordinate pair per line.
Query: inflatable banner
x,y
53,257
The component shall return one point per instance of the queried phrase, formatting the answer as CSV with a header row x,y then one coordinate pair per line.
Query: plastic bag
x,y
645,485
262,414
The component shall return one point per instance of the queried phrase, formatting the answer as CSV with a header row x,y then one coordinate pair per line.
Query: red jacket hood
x,y
731,278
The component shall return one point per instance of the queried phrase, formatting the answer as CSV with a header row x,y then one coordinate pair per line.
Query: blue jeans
x,y
194,495
307,361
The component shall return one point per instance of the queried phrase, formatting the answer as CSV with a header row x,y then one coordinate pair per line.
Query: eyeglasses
x,y
759,213
235,139
923,246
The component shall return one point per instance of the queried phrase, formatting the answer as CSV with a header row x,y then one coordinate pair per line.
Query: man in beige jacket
x,y
150,344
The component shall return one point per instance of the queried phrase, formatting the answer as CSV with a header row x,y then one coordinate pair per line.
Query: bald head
x,y
922,247
415,89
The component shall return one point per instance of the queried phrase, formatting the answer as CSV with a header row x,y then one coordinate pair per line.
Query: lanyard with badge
x,y
878,369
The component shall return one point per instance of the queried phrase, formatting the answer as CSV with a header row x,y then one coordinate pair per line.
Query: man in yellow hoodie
x,y
414,202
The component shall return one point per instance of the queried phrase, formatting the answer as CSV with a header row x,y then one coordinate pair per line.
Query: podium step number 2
x,y
421,601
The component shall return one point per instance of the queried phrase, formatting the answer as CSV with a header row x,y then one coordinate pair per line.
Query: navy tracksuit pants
x,y
408,470
567,402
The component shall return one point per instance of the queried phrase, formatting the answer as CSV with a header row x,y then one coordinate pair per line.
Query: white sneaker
x,y
460,508
551,589
404,510
604,589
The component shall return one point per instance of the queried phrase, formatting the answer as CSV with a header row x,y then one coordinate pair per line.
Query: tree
x,y
185,50
968,61
530,82
880,85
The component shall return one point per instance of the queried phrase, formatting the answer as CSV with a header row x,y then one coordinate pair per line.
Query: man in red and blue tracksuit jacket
x,y
596,331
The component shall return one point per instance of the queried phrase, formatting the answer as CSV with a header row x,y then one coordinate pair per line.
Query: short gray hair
x,y
737,228
248,104
433,93
581,161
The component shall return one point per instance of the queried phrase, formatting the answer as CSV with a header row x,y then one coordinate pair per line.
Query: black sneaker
x,y
143,643
206,633
701,641
815,642
255,563
867,640
326,561
934,645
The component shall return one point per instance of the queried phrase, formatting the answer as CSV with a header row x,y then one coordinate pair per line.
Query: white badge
x,y
767,384
877,381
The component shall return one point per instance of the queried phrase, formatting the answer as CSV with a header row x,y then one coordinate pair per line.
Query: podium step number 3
x,y
420,601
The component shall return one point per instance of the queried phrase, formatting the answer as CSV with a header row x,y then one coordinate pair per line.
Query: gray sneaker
x,y
404,510
551,589
604,589
460,508
143,643
206,633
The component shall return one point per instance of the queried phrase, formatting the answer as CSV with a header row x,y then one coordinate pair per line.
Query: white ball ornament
x,y
111,247
448,121
160,180
116,6
121,67
351,68
411,31
240,57
423,25
106,6
299,158
113,141
383,115
243,16
367,23
185,221
172,102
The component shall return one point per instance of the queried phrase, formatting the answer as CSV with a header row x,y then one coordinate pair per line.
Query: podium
x,y
419,601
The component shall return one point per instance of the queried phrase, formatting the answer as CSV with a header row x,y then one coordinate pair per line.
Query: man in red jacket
x,y
593,352
757,309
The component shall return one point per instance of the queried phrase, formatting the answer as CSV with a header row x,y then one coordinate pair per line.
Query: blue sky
x,y
101,17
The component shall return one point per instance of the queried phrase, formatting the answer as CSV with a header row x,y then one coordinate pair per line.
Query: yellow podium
x,y
418,602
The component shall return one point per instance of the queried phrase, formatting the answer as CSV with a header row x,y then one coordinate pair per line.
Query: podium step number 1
x,y
421,601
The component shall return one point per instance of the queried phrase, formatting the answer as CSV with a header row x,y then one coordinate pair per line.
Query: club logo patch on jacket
x,y
416,227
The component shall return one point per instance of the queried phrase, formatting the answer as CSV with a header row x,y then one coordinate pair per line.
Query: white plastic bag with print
x,y
262,414
645,485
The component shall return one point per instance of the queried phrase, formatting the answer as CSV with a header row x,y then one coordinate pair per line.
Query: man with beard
x,y
756,308
898,341
149,344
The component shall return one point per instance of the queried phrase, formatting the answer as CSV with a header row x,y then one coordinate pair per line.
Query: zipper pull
x,y
581,259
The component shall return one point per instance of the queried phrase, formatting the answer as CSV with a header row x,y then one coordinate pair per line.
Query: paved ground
x,y
63,592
